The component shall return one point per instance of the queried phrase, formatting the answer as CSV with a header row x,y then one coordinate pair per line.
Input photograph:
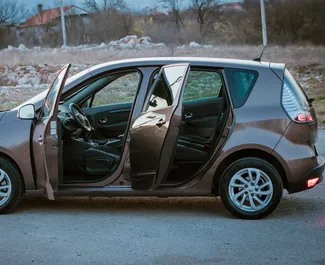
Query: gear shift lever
x,y
87,135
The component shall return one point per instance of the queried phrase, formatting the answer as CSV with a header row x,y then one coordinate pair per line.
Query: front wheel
x,y
11,186
251,188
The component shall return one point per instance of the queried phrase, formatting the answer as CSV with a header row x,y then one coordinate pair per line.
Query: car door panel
x,y
109,121
46,139
153,136
200,116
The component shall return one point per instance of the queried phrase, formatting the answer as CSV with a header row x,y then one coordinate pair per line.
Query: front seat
x,y
101,160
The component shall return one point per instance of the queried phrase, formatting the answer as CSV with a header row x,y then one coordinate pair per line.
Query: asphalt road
x,y
163,231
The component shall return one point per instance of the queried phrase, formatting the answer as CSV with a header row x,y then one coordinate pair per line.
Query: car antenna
x,y
258,59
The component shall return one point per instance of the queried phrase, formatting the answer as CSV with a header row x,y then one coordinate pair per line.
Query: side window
x,y
166,88
202,84
240,84
121,90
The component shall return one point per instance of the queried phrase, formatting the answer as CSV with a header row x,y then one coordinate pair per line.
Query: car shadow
x,y
289,207
190,206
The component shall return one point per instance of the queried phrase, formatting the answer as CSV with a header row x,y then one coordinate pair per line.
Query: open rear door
x,y
153,136
45,138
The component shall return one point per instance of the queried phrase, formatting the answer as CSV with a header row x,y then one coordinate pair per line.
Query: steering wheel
x,y
80,117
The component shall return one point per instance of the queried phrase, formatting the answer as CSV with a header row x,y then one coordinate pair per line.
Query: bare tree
x,y
174,8
207,12
127,21
111,19
11,12
104,6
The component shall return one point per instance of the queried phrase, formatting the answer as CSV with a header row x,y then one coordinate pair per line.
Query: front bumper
x,y
315,172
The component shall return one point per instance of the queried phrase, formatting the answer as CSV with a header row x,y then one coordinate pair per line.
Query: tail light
x,y
295,101
312,182
304,117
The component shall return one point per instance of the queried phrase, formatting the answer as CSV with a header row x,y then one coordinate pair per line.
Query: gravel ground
x,y
78,231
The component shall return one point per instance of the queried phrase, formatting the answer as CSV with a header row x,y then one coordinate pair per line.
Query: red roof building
x,y
52,15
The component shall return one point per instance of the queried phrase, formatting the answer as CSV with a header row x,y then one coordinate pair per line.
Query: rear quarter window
x,y
240,82
296,89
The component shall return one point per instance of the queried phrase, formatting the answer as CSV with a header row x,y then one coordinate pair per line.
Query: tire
x,y
10,177
245,198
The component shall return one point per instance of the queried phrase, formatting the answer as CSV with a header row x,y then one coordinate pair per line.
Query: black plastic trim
x,y
316,171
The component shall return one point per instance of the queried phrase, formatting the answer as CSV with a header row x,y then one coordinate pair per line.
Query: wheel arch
x,y
257,153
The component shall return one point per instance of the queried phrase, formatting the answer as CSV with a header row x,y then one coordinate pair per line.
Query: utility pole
x,y
264,30
64,31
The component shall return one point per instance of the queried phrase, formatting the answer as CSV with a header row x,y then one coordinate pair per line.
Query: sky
x,y
138,4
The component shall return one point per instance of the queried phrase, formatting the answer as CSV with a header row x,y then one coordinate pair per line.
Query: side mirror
x,y
27,112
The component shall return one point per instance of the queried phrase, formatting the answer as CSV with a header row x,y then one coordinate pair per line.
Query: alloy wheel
x,y
5,187
250,189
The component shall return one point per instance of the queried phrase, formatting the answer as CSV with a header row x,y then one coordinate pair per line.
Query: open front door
x,y
45,138
153,136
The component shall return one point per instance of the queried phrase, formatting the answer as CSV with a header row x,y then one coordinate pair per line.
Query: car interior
x,y
94,122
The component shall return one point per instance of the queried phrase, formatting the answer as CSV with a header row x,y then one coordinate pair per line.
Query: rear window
x,y
291,83
240,84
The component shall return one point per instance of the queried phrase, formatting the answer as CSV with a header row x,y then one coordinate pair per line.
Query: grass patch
x,y
320,98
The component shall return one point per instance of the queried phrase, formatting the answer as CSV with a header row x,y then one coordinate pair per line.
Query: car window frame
x,y
82,86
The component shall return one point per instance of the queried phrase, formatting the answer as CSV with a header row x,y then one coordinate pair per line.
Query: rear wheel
x,y
11,186
251,188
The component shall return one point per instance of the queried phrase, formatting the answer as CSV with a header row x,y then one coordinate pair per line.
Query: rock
x,y
131,44
194,44
207,46
158,45
22,47
127,39
114,43
11,48
145,40
103,45
123,46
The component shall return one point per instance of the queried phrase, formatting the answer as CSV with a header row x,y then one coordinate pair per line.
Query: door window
x,y
166,88
202,84
117,89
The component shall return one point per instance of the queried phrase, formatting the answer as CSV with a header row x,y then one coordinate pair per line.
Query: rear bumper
x,y
315,172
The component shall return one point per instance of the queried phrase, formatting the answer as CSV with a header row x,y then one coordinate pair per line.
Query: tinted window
x,y
202,84
240,84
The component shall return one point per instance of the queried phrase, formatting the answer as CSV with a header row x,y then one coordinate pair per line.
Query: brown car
x,y
241,130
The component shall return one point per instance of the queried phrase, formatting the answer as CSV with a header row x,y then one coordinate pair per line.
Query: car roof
x,y
158,62
198,61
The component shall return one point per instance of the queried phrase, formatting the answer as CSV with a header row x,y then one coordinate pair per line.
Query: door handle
x,y
188,115
102,120
161,122
40,140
